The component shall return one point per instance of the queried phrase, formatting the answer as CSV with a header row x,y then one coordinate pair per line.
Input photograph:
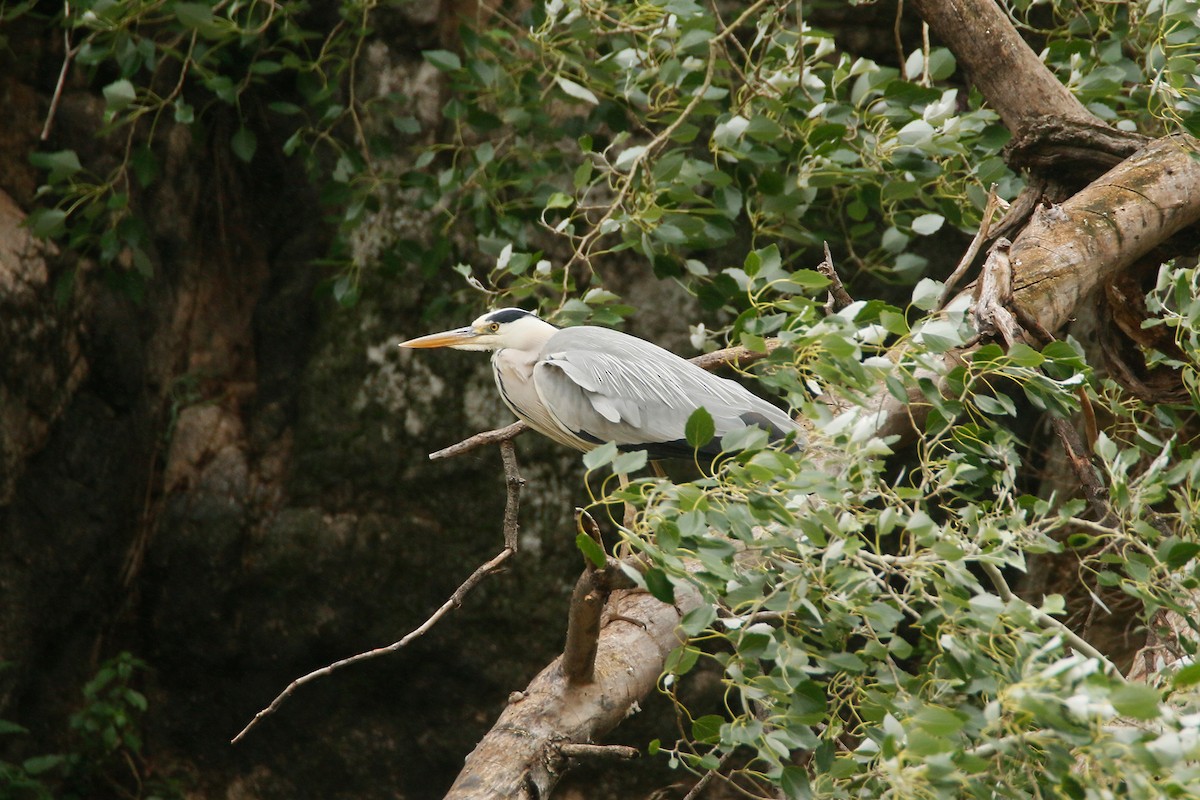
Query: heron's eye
x,y
494,327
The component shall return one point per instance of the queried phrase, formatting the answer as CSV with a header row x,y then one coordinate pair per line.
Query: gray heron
x,y
586,385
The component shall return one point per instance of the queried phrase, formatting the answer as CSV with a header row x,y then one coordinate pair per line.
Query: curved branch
x,y
1011,77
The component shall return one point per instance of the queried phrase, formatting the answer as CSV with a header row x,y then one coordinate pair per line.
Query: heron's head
x,y
495,330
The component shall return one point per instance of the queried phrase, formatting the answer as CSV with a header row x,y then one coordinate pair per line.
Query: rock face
x,y
225,475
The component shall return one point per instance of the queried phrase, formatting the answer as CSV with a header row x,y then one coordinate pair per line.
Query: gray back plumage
x,y
603,385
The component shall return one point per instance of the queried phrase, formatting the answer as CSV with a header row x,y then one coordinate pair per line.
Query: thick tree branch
x,y
1011,77
1068,250
519,758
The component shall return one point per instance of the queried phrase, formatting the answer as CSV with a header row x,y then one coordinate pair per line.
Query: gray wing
x,y
603,385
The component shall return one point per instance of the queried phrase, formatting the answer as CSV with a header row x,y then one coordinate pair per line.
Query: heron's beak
x,y
454,338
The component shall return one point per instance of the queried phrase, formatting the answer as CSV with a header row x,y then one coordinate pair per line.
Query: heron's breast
x,y
513,371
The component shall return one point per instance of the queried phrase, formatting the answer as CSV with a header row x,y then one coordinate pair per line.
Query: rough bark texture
x,y
999,63
518,758
1069,249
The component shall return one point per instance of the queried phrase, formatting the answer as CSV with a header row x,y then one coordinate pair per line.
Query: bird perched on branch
x,y
586,385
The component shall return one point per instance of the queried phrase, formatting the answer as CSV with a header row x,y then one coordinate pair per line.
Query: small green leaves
x,y
592,550
1137,700
575,90
244,143
700,428
444,60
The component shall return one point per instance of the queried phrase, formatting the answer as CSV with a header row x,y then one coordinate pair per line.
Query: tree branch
x,y
519,758
507,433
1011,77
1068,250
511,508
454,601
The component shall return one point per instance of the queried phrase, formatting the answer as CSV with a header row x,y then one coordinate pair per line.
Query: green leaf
x,y
244,143
47,223
700,428
198,17
594,459
60,164
926,293
938,721
794,782
941,63
40,764
11,727
660,585
119,94
1136,700
707,729
1187,676
681,660
576,90
444,60
591,550
698,619
927,224
1181,553
629,462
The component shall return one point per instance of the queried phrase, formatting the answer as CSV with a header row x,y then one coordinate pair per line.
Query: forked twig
x,y
69,53
512,504
989,210
839,298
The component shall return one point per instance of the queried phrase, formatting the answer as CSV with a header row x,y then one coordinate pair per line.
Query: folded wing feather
x,y
604,385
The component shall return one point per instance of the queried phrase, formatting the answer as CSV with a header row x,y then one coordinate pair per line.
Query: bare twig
x,y
455,600
695,791
504,434
598,751
69,53
513,483
989,210
1046,621
511,507
839,298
